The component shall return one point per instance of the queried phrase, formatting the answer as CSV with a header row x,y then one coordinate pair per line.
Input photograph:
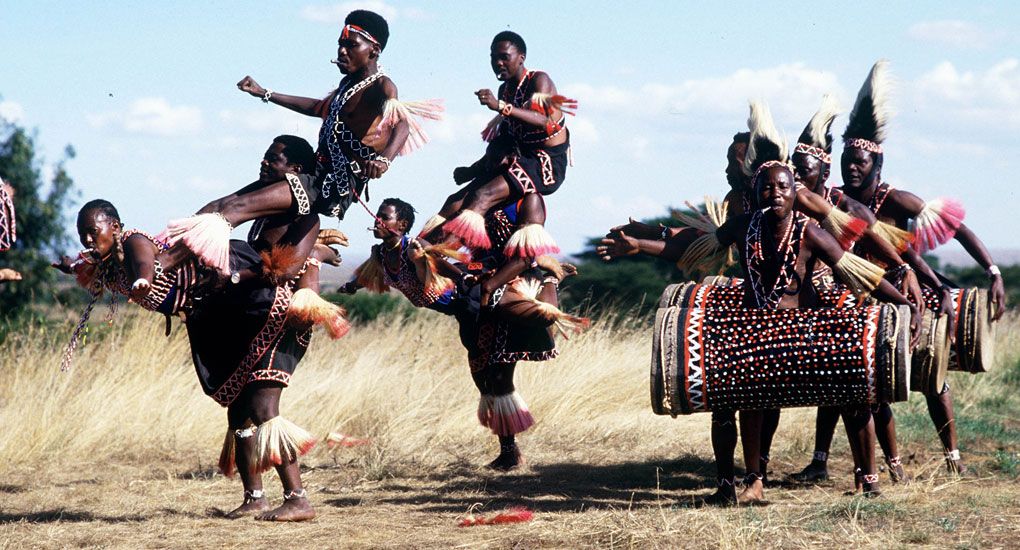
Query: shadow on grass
x,y
562,487
61,515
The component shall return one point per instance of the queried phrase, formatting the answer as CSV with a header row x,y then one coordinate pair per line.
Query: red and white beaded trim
x,y
816,152
863,144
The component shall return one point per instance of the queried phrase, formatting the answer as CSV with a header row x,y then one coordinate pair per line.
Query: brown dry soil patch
x,y
613,504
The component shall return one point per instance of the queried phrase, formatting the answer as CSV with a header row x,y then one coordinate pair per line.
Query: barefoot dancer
x,y
513,325
246,340
778,249
364,127
934,223
528,150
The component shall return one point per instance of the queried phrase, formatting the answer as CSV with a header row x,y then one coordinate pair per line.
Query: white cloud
x,y
953,33
788,88
151,116
985,97
272,120
335,13
11,111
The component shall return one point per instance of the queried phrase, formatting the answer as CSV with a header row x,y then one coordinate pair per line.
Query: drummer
x,y
778,250
934,223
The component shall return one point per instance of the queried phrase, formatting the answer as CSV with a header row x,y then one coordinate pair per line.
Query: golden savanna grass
x,y
121,452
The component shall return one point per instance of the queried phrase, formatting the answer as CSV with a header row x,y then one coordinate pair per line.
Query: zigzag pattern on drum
x,y
695,374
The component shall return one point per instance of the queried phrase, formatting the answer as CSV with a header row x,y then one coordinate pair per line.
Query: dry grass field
x,y
121,453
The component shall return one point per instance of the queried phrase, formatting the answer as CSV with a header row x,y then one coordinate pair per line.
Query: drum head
x,y
657,382
940,344
901,354
674,294
984,335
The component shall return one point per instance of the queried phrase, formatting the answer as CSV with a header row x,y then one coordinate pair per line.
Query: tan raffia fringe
x,y
370,275
846,228
897,237
228,466
857,273
279,441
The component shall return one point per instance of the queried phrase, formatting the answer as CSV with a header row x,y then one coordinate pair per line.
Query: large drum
x,y
930,360
753,359
731,295
974,350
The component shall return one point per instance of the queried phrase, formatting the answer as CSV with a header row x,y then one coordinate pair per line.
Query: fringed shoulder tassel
x,y
860,275
545,103
491,129
508,415
435,282
430,225
530,241
528,291
206,235
900,239
370,275
395,110
706,255
307,307
469,227
846,228
937,223
279,441
278,261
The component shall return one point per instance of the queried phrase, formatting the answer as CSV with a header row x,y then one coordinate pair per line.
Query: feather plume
x,y
545,103
937,223
897,237
527,289
395,110
705,255
507,414
430,225
871,112
513,515
530,241
846,228
818,132
469,227
336,439
860,275
766,141
278,262
307,307
370,275
278,441
206,235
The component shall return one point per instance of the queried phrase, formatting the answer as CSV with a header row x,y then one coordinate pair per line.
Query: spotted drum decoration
x,y
729,293
704,360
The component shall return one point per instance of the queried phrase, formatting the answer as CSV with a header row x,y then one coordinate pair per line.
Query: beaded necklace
x,y
788,250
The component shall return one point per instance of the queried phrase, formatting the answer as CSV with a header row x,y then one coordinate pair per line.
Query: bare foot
x,y
293,509
896,472
725,496
251,506
957,467
507,460
816,471
753,493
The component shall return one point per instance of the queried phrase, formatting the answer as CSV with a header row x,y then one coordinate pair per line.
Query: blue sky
x,y
146,95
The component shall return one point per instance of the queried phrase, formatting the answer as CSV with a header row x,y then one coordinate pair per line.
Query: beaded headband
x,y
863,144
816,152
769,164
348,29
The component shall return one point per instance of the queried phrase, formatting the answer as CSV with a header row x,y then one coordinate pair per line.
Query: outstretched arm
x,y
304,105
